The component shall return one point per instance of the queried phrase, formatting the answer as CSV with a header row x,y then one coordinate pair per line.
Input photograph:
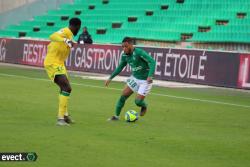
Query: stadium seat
x,y
162,20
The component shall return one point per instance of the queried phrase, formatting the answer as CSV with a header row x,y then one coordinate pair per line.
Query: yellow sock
x,y
63,104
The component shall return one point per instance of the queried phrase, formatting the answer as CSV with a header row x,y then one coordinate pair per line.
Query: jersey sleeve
x,y
151,62
120,67
59,36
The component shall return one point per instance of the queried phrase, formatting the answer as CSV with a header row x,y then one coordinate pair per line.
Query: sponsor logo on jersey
x,y
137,68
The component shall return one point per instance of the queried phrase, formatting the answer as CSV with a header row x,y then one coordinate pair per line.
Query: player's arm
x,y
60,37
117,71
151,63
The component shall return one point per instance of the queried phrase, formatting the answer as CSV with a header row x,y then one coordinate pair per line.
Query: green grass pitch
x,y
184,127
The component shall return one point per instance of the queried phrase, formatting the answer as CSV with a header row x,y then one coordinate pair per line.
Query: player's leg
x,y
65,90
143,90
127,91
58,74
140,102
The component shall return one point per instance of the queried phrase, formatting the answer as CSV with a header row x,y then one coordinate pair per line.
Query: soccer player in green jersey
x,y
143,68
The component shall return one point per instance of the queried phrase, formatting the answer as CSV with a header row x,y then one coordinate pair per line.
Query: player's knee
x,y
138,102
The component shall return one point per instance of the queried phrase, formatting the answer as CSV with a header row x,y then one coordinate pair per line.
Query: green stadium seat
x,y
62,12
162,24
33,23
9,33
40,35
47,18
20,28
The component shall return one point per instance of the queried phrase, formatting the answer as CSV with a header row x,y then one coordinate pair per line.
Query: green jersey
x,y
142,64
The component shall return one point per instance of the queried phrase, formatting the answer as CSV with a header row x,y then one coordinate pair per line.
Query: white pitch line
x,y
157,94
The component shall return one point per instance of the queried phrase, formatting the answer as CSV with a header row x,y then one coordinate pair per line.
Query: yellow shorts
x,y
53,70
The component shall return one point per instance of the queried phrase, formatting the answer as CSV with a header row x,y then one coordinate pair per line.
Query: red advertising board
x,y
227,69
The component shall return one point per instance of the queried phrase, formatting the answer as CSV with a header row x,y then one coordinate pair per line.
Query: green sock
x,y
120,104
140,103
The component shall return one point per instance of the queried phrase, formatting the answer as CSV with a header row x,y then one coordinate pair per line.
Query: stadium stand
x,y
108,21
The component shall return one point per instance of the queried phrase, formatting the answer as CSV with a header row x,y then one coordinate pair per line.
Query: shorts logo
x,y
59,68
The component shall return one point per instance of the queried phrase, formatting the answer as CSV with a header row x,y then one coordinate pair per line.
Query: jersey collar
x,y
133,52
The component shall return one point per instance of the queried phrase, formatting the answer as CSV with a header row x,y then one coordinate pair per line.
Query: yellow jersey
x,y
58,51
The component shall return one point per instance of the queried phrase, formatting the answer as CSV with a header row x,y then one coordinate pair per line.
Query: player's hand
x,y
149,80
69,42
107,82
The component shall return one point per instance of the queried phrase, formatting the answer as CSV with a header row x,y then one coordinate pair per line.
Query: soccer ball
x,y
131,116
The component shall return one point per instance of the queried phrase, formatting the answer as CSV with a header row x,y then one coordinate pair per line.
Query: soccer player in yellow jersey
x,y
58,51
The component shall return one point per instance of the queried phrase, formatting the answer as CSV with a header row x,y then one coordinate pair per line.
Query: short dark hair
x,y
75,22
128,40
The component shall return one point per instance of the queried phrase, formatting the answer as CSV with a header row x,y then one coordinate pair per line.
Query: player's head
x,y
127,45
74,25
85,29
